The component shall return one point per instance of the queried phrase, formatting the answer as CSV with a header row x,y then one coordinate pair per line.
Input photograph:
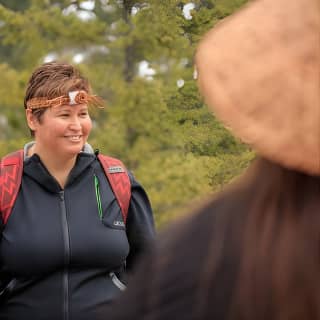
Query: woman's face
x,y
62,131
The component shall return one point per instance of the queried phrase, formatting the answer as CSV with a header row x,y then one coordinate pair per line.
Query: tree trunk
x,y
128,70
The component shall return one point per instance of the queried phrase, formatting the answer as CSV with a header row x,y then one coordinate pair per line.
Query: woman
x,y
252,252
65,247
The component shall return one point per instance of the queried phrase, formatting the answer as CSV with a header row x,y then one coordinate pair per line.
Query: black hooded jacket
x,y
63,259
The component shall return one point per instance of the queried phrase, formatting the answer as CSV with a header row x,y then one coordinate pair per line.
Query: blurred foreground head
x,y
252,251
259,72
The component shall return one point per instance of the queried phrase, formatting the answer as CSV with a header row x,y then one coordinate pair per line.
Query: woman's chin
x,y
73,150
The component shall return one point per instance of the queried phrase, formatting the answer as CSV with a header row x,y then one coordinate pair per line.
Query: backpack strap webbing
x,y
11,168
119,181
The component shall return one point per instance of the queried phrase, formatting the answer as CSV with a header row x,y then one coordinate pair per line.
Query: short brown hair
x,y
54,79
51,80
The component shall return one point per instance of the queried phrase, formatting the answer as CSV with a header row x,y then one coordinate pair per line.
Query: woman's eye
x,y
64,115
83,114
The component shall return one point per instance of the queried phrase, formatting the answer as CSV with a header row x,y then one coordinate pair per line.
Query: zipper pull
x,y
61,195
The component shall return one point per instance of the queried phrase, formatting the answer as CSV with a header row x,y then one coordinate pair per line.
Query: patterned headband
x,y
73,98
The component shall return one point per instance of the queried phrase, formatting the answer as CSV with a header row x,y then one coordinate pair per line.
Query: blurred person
x,y
251,252
66,247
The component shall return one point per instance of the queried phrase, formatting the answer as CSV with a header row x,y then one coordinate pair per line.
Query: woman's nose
x,y
75,123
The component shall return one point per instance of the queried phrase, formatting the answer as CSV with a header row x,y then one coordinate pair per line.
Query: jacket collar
x,y
36,170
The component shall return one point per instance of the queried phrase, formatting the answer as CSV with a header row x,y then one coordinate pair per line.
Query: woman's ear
x,y
31,119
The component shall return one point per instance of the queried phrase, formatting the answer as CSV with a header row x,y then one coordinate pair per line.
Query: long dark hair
x,y
278,241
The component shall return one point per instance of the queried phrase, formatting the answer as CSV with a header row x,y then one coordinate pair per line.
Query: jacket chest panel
x,y
46,231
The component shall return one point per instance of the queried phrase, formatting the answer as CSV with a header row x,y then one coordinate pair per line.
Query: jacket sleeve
x,y
140,223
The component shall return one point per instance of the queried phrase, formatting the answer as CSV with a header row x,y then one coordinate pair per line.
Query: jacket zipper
x,y
65,275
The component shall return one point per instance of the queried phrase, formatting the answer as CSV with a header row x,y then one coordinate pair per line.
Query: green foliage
x,y
223,169
163,132
28,36
173,180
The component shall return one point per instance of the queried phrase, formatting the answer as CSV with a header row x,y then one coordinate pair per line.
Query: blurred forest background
x,y
138,56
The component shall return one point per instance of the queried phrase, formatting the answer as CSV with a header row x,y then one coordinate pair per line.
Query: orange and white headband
x,y
73,98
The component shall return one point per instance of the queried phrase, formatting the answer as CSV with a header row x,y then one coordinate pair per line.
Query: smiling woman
x,y
79,244
56,103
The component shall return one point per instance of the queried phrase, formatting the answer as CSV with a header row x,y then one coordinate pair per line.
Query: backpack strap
x,y
119,181
11,168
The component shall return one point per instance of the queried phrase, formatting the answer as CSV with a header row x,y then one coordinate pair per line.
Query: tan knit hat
x,y
259,71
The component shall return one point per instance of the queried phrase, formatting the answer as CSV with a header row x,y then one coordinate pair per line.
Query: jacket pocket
x,y
108,208
112,216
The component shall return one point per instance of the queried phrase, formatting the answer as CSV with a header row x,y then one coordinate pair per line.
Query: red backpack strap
x,y
119,181
11,168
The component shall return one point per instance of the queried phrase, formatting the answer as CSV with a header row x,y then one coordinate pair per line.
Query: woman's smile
x,y
74,138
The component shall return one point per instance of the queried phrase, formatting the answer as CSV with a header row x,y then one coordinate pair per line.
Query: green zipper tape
x,y
98,197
